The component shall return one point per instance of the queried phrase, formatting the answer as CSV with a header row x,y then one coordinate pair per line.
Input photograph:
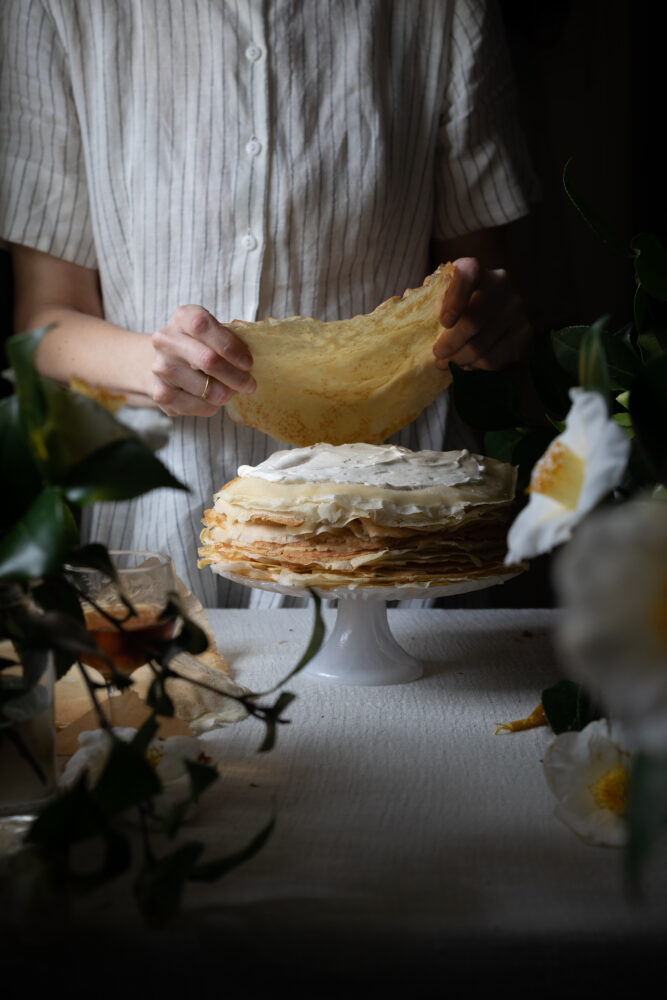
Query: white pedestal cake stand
x,y
361,648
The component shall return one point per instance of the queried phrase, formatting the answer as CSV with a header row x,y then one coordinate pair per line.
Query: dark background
x,y
586,75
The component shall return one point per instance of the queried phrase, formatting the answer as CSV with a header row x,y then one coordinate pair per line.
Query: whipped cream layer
x,y
325,485
387,466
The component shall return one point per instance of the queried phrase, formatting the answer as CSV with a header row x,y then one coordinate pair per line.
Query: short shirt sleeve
x,y
483,175
44,200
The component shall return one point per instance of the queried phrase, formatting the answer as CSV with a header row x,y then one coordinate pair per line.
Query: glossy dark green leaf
x,y
591,216
647,813
551,379
17,465
503,444
73,428
35,546
651,265
568,707
648,409
652,344
29,386
486,399
119,471
566,346
593,368
622,362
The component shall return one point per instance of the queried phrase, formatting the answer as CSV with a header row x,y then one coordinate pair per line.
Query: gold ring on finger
x,y
205,392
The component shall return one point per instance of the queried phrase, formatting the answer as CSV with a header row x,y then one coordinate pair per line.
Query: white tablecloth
x,y
411,843
405,826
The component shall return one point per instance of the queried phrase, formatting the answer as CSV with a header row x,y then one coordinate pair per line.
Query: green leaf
x,y
568,707
647,813
93,556
72,427
648,408
143,736
190,639
212,870
36,545
623,420
17,464
486,399
652,344
72,818
598,352
29,386
119,471
271,717
566,346
651,265
127,780
157,697
592,217
551,379
503,444
641,309
159,886
593,370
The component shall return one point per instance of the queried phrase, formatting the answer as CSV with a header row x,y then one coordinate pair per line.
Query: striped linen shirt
x,y
256,157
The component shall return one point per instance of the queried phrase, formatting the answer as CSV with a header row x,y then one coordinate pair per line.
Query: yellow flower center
x,y
153,756
658,615
610,791
559,474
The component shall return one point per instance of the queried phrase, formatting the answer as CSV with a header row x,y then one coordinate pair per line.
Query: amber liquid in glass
x,y
130,647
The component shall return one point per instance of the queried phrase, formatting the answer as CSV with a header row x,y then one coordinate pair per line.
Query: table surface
x,y
406,830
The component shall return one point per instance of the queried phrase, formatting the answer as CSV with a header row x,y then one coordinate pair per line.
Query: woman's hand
x,y
485,323
199,364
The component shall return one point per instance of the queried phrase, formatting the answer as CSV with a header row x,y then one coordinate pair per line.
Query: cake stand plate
x,y
361,649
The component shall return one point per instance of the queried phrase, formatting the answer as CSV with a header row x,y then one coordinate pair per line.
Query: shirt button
x,y
249,242
253,53
253,147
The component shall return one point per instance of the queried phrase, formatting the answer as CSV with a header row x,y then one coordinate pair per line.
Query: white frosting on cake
x,y
381,466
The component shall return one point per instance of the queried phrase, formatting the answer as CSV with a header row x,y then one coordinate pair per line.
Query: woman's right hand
x,y
199,364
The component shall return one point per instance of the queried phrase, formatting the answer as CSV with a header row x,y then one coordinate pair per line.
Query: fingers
x,y
465,281
199,364
492,330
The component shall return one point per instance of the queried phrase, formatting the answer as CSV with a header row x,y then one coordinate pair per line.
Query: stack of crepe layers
x,y
362,516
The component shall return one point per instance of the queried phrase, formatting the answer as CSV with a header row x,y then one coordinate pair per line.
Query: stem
x,y
24,752
101,717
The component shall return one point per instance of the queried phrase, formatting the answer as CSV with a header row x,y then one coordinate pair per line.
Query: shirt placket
x,y
253,153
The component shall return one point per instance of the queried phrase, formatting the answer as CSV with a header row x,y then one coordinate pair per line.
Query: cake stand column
x,y
361,649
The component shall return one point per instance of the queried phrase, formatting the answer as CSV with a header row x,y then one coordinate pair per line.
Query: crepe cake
x,y
360,515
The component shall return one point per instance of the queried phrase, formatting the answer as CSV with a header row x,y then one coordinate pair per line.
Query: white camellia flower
x,y
588,772
612,583
166,756
577,470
